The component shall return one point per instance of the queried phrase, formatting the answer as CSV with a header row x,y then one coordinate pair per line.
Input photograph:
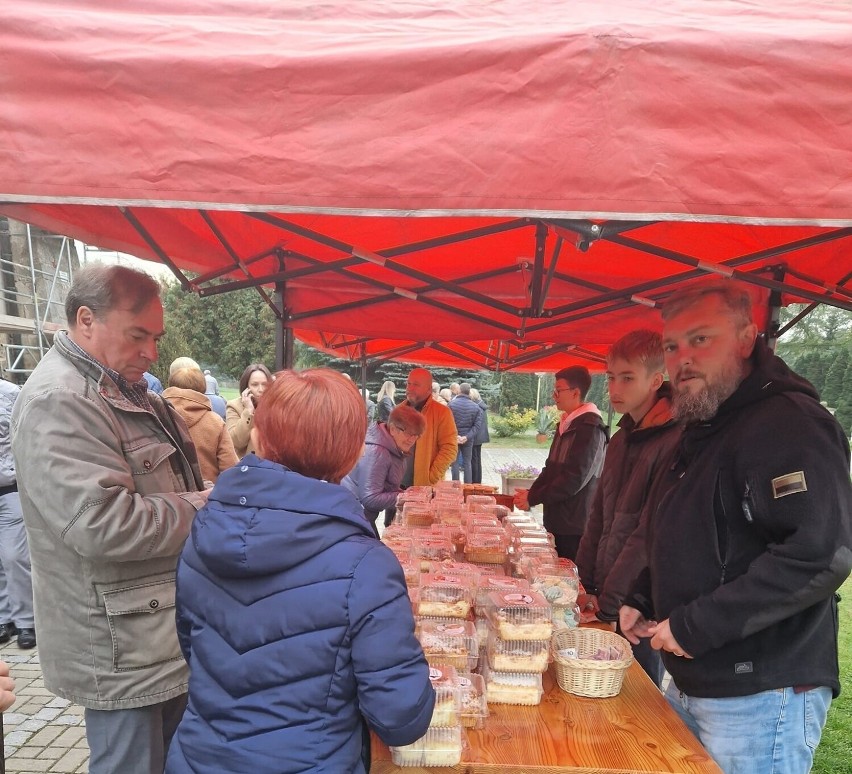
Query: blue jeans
x,y
773,732
463,461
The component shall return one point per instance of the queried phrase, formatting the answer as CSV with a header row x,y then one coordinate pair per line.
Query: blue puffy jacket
x,y
468,416
375,479
295,622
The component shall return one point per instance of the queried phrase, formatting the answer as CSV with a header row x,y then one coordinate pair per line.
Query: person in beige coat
x,y
239,414
212,441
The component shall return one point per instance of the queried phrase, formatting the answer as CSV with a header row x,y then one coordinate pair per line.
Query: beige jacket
x,y
239,423
207,429
109,492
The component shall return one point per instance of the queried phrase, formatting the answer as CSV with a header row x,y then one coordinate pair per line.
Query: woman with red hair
x,y
294,619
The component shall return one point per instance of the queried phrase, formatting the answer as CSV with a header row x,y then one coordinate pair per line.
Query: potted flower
x,y
517,476
545,422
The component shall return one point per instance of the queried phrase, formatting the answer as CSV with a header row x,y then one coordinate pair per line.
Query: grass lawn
x,y
834,754
229,393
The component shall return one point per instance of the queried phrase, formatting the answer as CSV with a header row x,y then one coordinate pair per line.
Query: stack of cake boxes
x,y
484,633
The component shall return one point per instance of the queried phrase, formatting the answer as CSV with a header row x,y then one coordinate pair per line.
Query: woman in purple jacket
x,y
375,479
294,619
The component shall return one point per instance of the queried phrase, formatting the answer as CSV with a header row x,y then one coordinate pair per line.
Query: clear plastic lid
x,y
487,584
415,514
485,547
559,585
449,512
517,655
457,568
414,494
438,747
512,687
498,511
401,545
432,548
475,500
521,615
478,520
445,596
445,681
474,705
444,485
448,642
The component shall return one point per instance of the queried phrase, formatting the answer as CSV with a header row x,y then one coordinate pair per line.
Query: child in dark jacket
x,y
292,616
612,550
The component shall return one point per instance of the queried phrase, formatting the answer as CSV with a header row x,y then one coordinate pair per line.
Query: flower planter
x,y
542,437
511,483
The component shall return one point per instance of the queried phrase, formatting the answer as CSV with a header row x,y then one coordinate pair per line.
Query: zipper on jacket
x,y
721,529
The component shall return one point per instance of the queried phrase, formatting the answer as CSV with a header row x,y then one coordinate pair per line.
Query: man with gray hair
x,y
749,536
109,484
468,417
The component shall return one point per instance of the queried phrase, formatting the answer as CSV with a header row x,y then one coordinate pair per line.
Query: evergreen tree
x,y
833,392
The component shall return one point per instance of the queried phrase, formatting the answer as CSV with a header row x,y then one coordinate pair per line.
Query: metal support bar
x,y
152,243
536,295
772,322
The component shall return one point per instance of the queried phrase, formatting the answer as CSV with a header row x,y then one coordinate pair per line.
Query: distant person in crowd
x,y
212,441
154,384
376,479
385,401
211,386
483,436
445,396
436,394
468,418
370,406
566,485
7,688
749,538
240,411
437,447
217,402
16,584
612,547
454,390
293,617
109,486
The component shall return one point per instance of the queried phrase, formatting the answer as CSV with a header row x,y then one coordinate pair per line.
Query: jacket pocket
x,y
147,457
141,619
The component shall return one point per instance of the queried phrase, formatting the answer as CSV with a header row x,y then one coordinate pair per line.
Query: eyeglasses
x,y
557,390
406,433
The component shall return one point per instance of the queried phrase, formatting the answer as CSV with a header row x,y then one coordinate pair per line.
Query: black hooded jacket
x,y
749,538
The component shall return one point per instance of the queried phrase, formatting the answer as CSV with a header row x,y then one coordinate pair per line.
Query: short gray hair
x,y
102,287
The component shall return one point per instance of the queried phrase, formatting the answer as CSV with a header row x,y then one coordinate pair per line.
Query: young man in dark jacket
x,y
567,483
748,540
611,551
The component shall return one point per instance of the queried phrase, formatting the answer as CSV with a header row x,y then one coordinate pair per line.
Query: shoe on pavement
x,y
26,639
7,631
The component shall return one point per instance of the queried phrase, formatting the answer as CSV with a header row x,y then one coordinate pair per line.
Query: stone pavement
x,y
44,733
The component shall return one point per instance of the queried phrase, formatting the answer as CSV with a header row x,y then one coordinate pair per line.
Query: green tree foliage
x,y
819,347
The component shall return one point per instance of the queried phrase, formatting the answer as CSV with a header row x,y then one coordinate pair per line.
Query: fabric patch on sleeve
x,y
789,484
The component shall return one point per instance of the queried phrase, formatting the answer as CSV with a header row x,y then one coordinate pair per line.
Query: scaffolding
x,y
36,270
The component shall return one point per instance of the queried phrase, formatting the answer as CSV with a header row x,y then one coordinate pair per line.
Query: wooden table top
x,y
635,732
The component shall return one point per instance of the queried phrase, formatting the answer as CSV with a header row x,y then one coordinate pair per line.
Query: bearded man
x,y
748,539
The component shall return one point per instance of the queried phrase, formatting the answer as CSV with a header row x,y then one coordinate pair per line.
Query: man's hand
x,y
663,639
461,439
633,624
7,688
522,499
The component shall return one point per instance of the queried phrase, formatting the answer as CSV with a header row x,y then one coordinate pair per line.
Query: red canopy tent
x,y
481,184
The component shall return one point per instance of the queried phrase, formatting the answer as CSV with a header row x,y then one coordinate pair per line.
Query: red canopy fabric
x,y
602,154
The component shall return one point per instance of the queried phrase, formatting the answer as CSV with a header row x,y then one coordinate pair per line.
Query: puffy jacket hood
x,y
379,435
658,418
192,405
263,518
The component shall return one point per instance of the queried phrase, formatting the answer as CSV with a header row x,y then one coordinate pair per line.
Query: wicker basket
x,y
585,676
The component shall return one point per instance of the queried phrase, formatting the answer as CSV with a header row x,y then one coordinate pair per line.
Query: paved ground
x,y
46,734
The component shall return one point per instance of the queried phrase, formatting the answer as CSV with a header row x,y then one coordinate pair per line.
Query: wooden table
x,y
635,732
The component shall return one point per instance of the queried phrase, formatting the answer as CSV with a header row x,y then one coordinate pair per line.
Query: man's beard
x,y
703,405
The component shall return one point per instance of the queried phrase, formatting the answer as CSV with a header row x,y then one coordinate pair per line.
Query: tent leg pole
x,y
773,321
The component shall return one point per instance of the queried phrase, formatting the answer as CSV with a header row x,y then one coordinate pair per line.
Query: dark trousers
x,y
463,461
476,464
567,545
